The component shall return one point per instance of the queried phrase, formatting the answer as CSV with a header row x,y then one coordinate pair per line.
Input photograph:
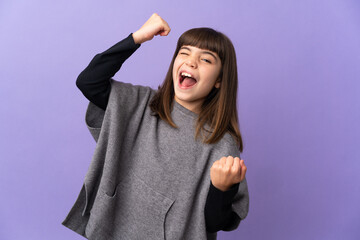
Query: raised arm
x,y
94,80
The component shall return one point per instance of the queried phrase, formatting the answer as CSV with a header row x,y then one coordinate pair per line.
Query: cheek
x,y
175,68
212,75
217,73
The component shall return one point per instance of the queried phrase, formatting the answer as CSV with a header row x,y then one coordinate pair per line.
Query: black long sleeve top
x,y
94,83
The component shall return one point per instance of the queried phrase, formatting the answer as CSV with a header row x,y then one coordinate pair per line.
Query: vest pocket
x,y
132,211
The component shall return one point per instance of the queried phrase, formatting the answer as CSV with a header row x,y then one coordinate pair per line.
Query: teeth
x,y
186,74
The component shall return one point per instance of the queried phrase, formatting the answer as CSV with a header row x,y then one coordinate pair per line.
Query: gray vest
x,y
147,180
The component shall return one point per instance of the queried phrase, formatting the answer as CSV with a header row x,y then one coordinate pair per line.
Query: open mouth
x,y
186,80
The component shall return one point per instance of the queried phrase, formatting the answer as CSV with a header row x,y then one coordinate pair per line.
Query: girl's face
x,y
195,73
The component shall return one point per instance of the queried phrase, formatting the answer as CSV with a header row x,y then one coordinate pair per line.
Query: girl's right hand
x,y
155,25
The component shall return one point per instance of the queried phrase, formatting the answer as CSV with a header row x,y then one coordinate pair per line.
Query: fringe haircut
x,y
218,113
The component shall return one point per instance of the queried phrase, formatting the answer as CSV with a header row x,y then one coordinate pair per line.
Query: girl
x,y
166,162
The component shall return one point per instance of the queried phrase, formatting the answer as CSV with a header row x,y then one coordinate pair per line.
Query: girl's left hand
x,y
226,172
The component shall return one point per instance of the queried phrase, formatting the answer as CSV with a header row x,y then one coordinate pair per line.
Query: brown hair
x,y
219,109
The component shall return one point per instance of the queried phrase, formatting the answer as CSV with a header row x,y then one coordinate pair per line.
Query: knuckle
x,y
236,170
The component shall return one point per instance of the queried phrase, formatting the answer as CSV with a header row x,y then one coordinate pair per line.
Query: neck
x,y
192,106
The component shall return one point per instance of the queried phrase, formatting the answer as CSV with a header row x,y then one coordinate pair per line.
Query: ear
x,y
218,83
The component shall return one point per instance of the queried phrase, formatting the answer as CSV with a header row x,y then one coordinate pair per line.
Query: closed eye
x,y
183,53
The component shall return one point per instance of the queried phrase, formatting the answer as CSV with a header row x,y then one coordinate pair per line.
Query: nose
x,y
191,62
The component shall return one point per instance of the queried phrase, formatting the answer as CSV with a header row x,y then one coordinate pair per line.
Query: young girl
x,y
166,163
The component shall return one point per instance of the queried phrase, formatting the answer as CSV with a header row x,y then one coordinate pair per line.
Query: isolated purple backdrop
x,y
299,107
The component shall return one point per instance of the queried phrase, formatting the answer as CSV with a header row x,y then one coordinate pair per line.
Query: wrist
x,y
137,39
222,188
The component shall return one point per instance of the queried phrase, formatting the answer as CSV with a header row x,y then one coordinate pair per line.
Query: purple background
x,y
299,107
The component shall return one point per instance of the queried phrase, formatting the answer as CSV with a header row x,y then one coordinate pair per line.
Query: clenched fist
x,y
226,172
155,25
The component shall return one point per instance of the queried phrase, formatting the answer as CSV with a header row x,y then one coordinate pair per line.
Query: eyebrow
x,y
203,51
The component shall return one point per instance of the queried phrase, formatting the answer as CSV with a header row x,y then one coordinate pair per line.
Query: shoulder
x,y
128,92
127,97
124,86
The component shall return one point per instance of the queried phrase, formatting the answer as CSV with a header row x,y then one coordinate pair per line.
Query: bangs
x,y
204,38
219,110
